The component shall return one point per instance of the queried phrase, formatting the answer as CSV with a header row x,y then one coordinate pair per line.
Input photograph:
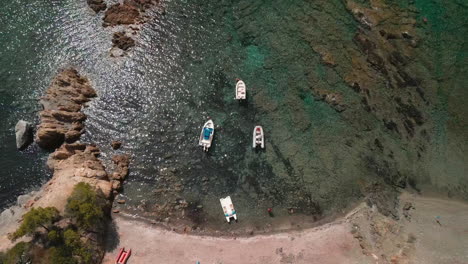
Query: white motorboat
x,y
228,209
241,90
258,137
206,136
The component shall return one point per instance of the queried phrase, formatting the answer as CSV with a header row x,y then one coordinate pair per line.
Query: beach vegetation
x,y
17,254
85,206
36,218
68,248
70,241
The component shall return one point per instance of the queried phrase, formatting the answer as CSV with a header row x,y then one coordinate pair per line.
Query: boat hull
x,y
241,90
123,256
228,209
258,139
206,136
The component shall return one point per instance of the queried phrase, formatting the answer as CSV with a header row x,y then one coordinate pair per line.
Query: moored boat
x,y
206,136
258,137
241,90
123,256
228,209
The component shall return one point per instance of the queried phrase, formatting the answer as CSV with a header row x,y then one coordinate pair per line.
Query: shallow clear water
x,y
181,72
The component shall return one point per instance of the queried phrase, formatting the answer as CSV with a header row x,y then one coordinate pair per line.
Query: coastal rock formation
x,y
61,119
71,164
121,41
121,14
97,5
129,12
24,134
121,163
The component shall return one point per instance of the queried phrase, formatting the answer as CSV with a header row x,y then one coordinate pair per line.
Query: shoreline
x,y
363,235
282,224
71,163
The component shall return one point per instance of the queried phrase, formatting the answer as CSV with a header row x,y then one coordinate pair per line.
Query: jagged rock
x,y
61,155
24,134
116,144
97,5
116,185
123,160
49,137
121,14
72,136
116,176
61,119
121,167
121,41
128,12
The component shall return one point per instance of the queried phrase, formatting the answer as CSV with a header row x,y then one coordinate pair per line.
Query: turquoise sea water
x,y
183,70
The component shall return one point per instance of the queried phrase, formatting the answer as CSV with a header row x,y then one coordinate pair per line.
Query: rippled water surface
x,y
181,72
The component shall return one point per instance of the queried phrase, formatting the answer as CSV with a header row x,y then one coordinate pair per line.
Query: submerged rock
x,y
97,5
116,144
121,41
121,14
128,12
24,134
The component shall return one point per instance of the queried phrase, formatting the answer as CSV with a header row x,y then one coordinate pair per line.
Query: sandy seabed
x,y
431,230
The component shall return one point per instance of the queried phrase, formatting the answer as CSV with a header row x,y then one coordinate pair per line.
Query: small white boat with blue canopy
x,y
241,90
206,136
228,209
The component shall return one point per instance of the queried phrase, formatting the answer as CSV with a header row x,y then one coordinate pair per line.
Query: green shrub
x,y
84,206
54,237
16,255
35,218
71,238
60,255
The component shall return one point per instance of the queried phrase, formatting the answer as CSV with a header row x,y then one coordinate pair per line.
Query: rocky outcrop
x,y
71,164
97,5
129,12
24,134
121,163
116,144
121,14
121,41
61,119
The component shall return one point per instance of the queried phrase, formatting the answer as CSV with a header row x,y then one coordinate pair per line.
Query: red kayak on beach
x,y
123,256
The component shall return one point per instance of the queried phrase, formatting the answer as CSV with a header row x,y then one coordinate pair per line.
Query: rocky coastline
x,y
61,125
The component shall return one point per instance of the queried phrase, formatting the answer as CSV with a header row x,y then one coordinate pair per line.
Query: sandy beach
x,y
431,230
327,244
